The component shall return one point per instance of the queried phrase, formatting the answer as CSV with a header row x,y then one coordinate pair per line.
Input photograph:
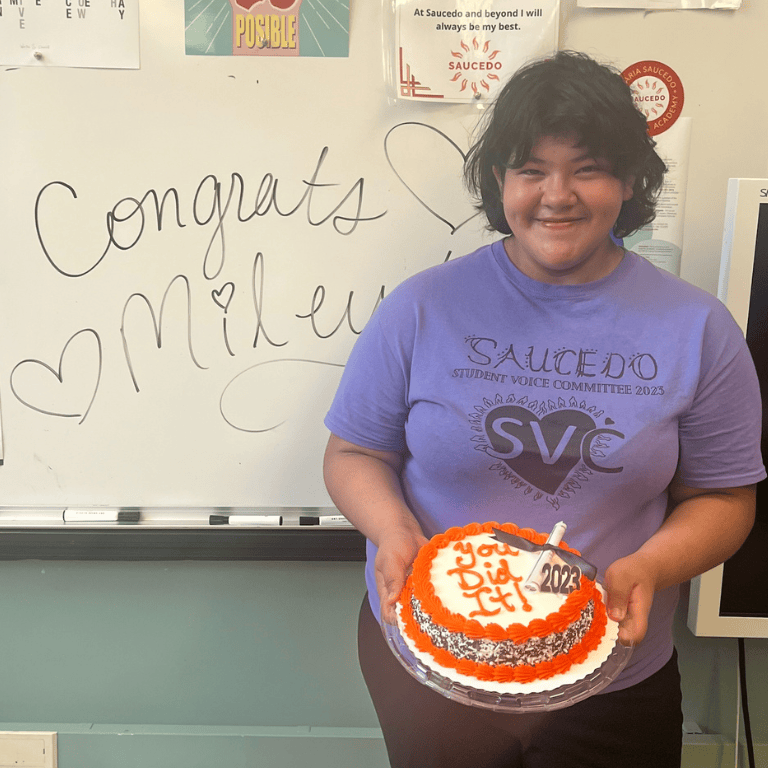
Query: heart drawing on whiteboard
x,y
47,390
422,157
223,296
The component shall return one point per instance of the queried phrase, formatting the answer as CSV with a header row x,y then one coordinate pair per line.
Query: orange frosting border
x,y
420,585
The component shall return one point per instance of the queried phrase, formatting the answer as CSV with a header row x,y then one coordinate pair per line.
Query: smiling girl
x,y
563,169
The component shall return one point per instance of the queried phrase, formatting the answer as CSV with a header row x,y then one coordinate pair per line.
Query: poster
x,y
71,33
464,50
283,28
658,93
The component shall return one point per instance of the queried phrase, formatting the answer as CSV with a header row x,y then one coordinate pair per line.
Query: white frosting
x,y
483,580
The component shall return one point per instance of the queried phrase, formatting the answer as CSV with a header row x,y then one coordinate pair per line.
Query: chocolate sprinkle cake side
x,y
504,652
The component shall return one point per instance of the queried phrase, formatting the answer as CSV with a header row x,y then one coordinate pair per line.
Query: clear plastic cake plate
x,y
580,682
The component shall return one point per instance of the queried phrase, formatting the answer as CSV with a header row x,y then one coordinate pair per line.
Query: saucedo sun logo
x,y
475,66
657,92
548,448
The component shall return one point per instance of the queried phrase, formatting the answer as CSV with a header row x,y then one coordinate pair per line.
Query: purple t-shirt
x,y
527,402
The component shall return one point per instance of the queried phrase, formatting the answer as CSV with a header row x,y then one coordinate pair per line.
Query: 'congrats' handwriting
x,y
127,219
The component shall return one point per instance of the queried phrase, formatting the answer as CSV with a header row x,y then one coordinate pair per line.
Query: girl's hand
x,y
631,585
397,551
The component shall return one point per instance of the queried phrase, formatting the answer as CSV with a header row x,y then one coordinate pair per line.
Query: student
x,y
559,320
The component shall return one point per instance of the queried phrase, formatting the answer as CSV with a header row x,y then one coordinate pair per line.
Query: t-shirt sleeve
x,y
720,432
370,407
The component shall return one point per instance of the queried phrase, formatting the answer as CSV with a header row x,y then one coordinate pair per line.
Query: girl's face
x,y
561,207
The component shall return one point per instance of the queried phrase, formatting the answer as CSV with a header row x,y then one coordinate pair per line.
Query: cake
x,y
466,608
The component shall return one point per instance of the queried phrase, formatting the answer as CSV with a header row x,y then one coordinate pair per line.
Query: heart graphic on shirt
x,y
540,450
46,389
422,157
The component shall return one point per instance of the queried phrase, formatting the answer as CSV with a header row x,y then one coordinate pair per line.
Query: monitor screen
x,y
745,575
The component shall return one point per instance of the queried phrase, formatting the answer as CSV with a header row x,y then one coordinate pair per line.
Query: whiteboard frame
x,y
178,534
130,544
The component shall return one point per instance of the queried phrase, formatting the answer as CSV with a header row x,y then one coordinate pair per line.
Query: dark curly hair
x,y
566,94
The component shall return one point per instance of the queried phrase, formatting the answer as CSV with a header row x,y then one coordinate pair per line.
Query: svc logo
x,y
542,444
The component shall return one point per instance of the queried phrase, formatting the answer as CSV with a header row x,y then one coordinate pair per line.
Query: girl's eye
x,y
596,167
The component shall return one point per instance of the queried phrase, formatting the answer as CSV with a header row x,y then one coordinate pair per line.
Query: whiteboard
x,y
189,251
189,248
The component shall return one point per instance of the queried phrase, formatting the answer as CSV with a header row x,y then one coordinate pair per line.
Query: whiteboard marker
x,y
323,520
74,515
260,520
29,515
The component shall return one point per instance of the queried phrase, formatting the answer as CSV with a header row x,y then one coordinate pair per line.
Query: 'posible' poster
x,y
267,28
464,50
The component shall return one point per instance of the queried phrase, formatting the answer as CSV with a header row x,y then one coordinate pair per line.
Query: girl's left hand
x,y
630,584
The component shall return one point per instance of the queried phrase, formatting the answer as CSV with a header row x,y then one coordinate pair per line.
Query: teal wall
x,y
240,664
181,643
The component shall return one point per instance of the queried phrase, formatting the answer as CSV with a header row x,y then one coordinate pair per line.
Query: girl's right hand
x,y
396,552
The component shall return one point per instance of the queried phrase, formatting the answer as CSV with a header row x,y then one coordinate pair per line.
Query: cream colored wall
x,y
720,59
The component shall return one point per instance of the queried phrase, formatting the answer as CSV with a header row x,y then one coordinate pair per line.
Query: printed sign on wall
x,y
267,28
78,33
658,93
464,50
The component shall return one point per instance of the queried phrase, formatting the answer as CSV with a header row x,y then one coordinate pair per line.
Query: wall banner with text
x,y
266,28
102,35
464,50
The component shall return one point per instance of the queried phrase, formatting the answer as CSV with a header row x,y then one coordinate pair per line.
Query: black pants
x,y
638,727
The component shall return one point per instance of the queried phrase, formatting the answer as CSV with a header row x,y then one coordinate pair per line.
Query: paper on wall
x,y
464,50
82,34
715,5
661,241
267,28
